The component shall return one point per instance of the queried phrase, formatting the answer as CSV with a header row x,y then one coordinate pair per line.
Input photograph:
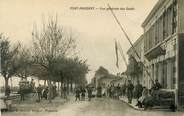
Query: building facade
x,y
135,61
102,80
105,81
120,79
163,44
160,50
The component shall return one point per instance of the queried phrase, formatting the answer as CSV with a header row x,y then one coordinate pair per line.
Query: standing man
x,y
112,91
32,83
130,88
83,92
118,91
124,89
89,93
138,90
108,91
21,89
45,92
65,91
77,94
39,91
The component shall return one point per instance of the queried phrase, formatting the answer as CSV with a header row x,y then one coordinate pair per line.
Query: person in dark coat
x,y
118,91
124,89
112,91
45,92
39,91
89,89
130,88
138,90
108,91
99,91
156,85
77,94
83,93
141,100
65,91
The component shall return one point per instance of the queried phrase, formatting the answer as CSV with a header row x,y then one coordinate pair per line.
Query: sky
x,y
96,29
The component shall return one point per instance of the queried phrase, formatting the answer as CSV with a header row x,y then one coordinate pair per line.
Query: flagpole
x,y
122,54
116,50
122,29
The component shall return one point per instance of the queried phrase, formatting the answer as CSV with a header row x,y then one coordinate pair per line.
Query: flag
x,y
116,50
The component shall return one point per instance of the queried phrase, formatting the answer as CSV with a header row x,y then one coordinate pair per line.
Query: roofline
x,y
153,11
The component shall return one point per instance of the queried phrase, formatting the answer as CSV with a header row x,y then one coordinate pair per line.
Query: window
x,y
165,24
174,17
164,76
157,32
173,73
170,20
161,22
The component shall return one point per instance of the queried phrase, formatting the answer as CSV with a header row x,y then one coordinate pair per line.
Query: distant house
x,y
102,80
106,80
121,79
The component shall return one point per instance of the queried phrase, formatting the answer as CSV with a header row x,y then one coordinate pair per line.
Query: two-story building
x,y
163,45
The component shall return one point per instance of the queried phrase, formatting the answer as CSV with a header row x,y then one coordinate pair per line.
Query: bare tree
x,y
25,60
9,66
49,44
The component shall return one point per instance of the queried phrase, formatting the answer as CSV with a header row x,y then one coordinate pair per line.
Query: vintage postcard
x,y
92,57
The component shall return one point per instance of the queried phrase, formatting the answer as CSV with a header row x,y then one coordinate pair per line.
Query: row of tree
x,y
51,57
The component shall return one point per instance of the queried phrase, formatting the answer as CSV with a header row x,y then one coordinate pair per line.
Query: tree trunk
x,y
6,85
50,91
71,85
75,84
44,82
58,86
61,89
11,83
61,79
68,86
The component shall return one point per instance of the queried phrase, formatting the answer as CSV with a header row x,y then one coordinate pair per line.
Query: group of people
x,y
145,99
26,87
140,93
43,91
129,90
81,92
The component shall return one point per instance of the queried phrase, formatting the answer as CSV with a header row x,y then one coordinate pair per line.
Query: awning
x,y
155,52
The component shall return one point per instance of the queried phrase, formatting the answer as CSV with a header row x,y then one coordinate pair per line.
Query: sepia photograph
x,y
92,57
